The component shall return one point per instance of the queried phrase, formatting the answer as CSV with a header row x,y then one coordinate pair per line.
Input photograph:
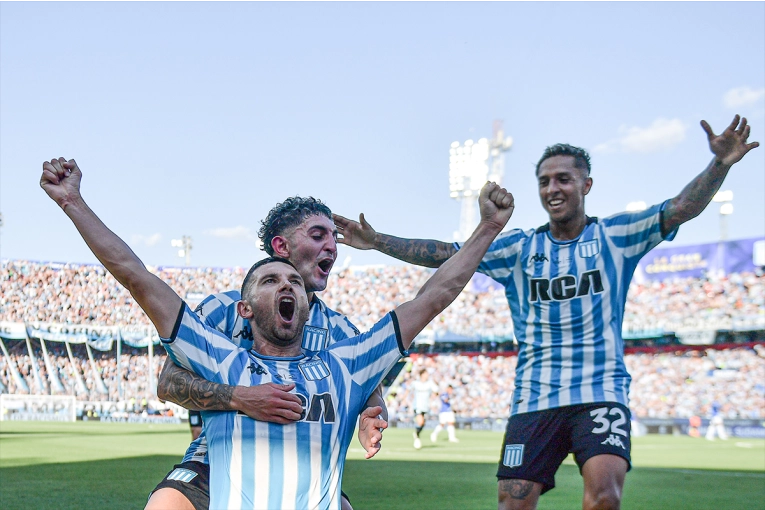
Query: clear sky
x,y
196,118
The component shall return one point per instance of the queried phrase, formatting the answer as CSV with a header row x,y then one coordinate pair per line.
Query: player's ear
x,y
587,185
244,309
280,246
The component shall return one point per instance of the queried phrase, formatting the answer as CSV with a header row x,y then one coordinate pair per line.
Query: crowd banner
x,y
12,330
695,261
100,338
139,336
706,337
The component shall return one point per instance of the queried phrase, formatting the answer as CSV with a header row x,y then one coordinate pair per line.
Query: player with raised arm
x,y
566,284
256,464
299,229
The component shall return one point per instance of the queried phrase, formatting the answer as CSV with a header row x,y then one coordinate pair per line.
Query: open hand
x,y
356,234
730,145
370,430
269,402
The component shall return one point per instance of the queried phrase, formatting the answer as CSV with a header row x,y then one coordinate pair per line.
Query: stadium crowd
x,y
86,294
94,382
713,303
663,385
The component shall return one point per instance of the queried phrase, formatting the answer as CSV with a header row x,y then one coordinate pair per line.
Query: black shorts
x,y
536,443
195,419
192,479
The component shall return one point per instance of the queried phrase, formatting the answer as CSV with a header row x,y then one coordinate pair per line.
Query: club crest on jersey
x,y
513,455
314,339
314,370
589,249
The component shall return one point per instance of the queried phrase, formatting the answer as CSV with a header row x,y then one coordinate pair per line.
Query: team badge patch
x,y
513,455
314,339
182,475
589,248
314,370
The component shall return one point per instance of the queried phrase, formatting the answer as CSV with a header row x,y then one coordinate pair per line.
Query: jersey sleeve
x,y
370,355
502,255
637,233
218,311
201,349
340,326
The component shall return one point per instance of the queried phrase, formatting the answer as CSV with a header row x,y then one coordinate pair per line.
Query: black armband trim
x,y
401,349
177,325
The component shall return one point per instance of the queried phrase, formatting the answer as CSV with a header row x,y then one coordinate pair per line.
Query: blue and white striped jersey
x,y
323,327
567,302
300,465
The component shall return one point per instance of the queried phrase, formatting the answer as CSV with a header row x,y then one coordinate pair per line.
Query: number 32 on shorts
x,y
604,423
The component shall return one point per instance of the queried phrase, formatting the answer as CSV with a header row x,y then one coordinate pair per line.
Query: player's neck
x,y
277,348
568,230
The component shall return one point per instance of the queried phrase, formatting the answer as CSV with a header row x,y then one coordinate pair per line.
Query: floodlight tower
x,y
470,165
726,209
184,243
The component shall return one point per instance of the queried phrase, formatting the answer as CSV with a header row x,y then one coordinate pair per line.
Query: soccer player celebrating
x,y
301,231
566,283
255,464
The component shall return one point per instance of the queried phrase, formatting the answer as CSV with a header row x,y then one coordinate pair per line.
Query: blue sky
x,y
196,118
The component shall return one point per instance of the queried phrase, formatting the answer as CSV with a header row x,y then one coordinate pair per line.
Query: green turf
x,y
95,465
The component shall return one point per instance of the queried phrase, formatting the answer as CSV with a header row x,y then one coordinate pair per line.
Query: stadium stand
x,y
70,329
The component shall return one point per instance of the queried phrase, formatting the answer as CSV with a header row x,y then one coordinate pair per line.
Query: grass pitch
x,y
107,465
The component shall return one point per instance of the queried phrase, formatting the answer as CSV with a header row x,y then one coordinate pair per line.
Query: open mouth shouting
x,y
287,308
325,265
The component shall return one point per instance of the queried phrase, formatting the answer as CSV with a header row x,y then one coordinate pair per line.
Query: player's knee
x,y
603,499
518,495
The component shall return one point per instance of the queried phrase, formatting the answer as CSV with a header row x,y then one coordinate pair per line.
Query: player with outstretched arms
x,y
255,464
299,229
566,283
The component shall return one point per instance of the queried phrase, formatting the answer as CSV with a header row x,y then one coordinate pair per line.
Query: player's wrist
x,y
235,402
72,203
489,226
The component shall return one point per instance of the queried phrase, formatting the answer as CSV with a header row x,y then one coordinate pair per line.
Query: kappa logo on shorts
x,y
182,475
513,455
614,441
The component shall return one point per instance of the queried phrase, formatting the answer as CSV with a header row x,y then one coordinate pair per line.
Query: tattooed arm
x,y
728,147
421,252
266,402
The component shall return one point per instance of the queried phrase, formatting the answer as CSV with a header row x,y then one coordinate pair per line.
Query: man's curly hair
x,y
289,214
581,158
